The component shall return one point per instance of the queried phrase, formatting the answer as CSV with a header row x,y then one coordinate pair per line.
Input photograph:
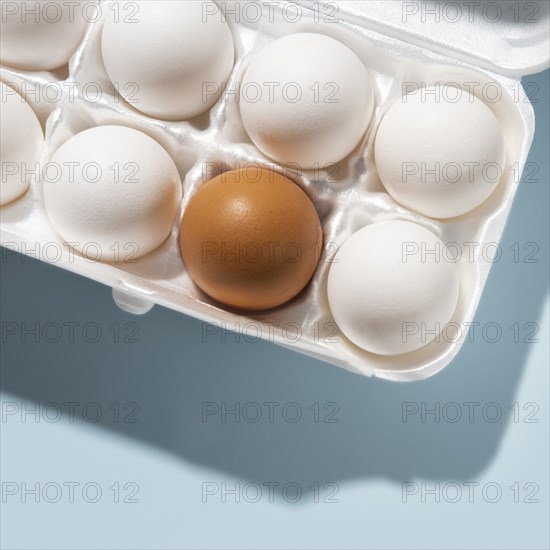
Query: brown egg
x,y
251,239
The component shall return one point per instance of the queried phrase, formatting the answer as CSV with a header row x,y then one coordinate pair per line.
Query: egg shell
x,y
251,240
42,35
439,156
385,294
114,190
176,57
321,103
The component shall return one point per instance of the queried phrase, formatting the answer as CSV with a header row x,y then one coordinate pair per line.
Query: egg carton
x,y
400,46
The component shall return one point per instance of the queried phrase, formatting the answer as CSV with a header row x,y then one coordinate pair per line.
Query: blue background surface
x,y
172,454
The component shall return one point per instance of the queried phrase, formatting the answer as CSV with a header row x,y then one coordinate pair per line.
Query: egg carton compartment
x,y
347,195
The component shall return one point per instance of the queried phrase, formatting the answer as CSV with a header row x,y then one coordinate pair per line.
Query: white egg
x,y
112,193
440,152
42,35
306,99
171,59
387,293
20,145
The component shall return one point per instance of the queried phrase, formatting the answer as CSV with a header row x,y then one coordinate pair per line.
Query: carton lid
x,y
511,37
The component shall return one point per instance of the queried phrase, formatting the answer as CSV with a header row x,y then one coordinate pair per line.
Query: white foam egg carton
x,y
402,44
